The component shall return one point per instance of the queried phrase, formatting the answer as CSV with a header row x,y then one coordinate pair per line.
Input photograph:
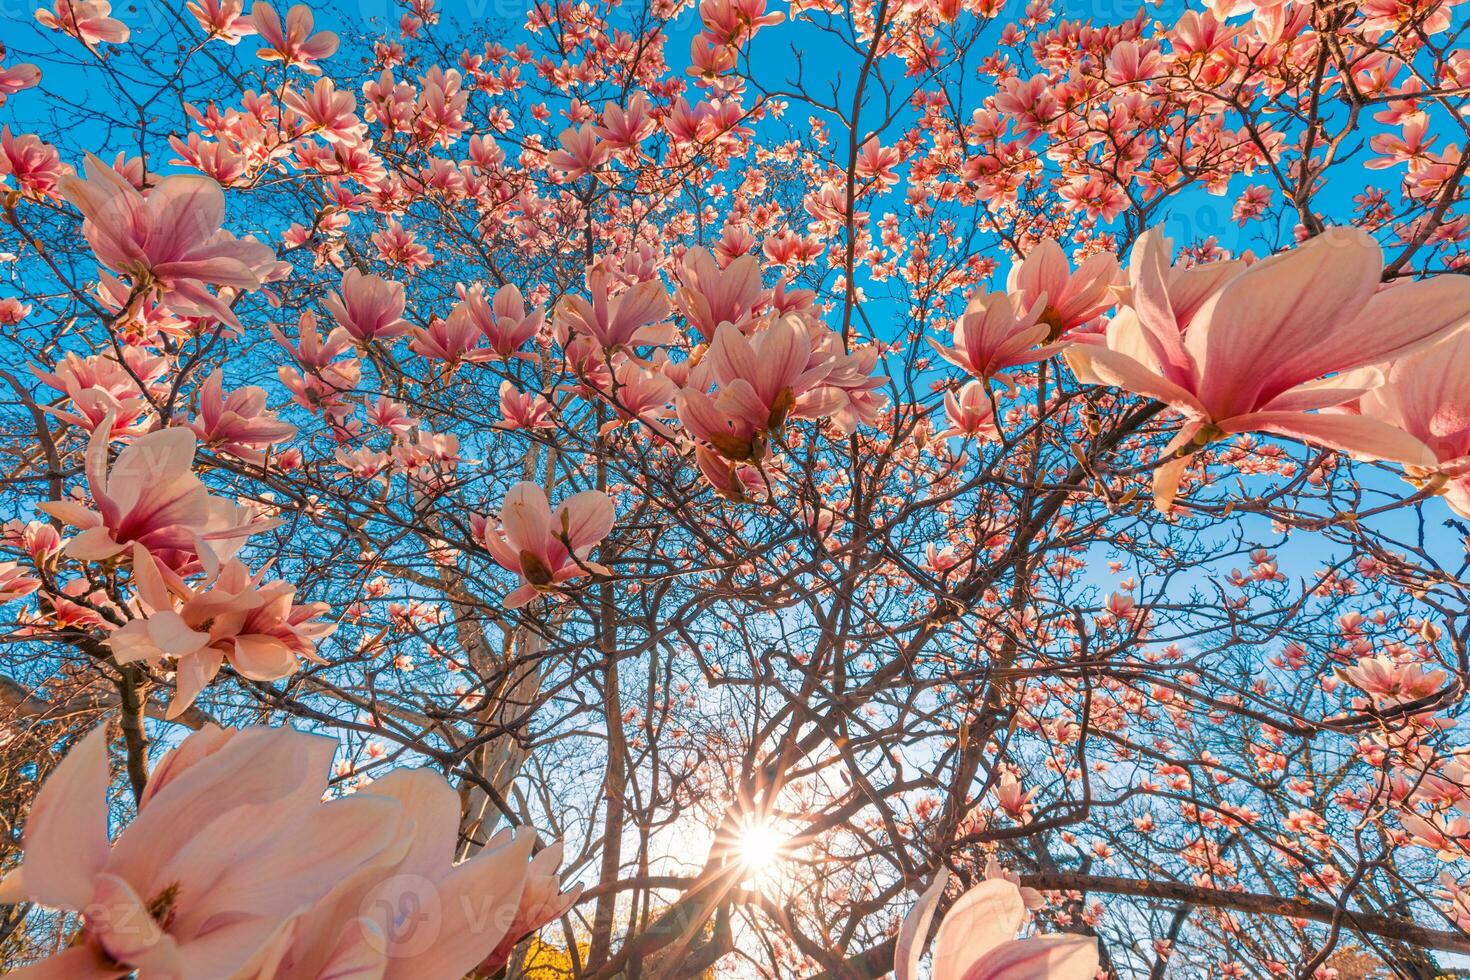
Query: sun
x,y
760,848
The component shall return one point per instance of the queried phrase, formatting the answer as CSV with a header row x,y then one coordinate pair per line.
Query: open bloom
x,y
548,548
89,21
102,388
503,319
238,423
993,335
1276,342
523,410
224,20
453,339
638,392
1386,678
849,393
761,380
632,317
1070,299
295,44
17,78
150,497
235,616
170,240
708,295
369,307
235,867
971,414
976,939
1427,396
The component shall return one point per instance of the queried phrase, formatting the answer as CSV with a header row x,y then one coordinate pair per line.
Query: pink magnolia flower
x,y
313,351
993,335
327,111
522,410
295,45
848,394
321,385
1387,678
150,497
542,901
369,307
230,837
1427,396
1448,836
503,320
633,317
102,389
39,540
235,616
761,381
86,20
638,393
976,939
170,240
1257,354
454,339
17,78
581,151
35,165
708,295
971,414
734,22
12,311
235,867
548,549
238,423
223,20
626,128
16,582
1070,299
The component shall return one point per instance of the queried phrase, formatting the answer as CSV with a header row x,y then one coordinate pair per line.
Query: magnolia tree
x,y
732,488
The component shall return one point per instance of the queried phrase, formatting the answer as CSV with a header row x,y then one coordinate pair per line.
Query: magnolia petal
x,y
586,518
475,904
1055,957
66,844
983,918
1099,365
525,516
915,929
1356,435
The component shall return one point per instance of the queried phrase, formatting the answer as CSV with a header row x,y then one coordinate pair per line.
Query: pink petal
x,y
1094,364
585,518
915,930
1356,435
191,676
984,917
66,832
1054,957
519,597
525,516
159,463
1281,322
120,921
470,911
432,808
